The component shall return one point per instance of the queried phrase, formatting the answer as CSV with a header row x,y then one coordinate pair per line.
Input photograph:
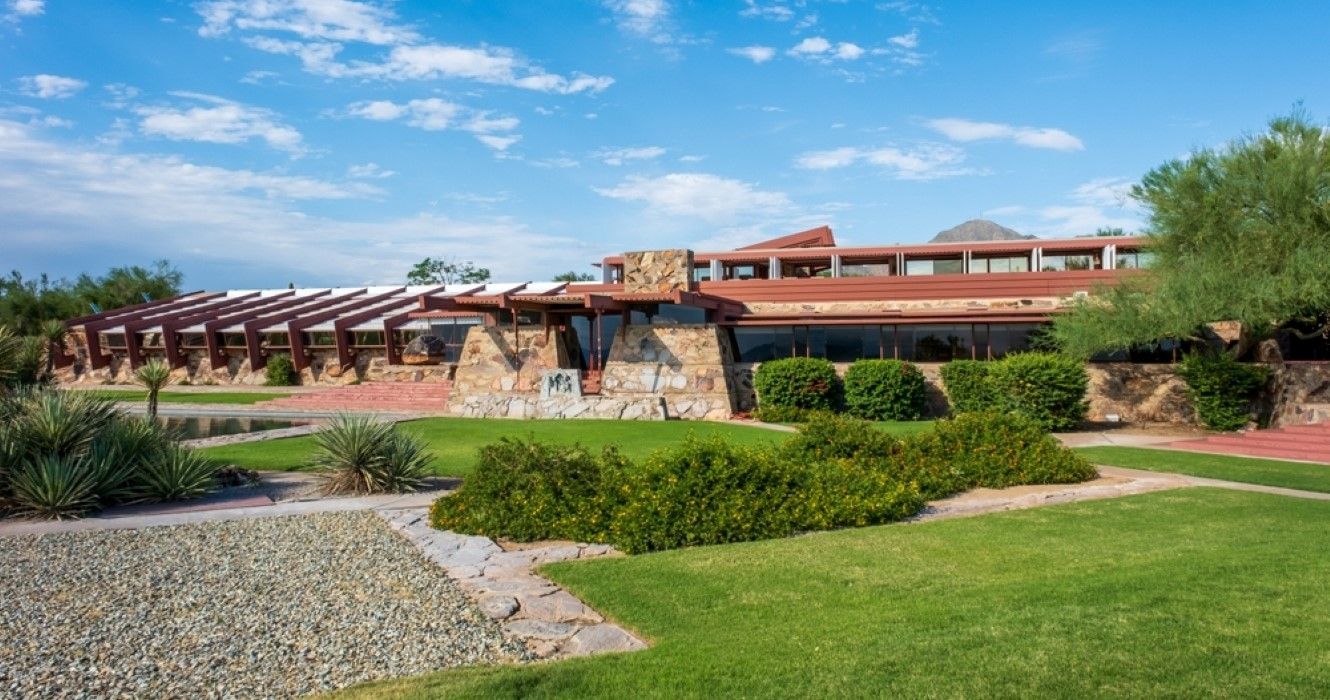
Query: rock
x,y
559,606
600,639
497,606
424,350
539,629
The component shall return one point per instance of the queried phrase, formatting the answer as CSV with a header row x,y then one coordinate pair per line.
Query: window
x,y
675,314
866,268
850,343
1135,259
321,339
1060,263
191,340
745,271
276,340
702,273
1014,263
616,274
371,338
936,343
755,344
934,266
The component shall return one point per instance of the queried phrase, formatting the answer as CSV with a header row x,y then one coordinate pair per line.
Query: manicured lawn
x,y
217,397
454,441
1186,593
1268,472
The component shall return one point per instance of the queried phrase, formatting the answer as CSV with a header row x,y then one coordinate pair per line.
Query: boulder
x,y
424,350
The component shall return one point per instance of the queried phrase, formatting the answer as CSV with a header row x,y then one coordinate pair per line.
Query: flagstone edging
x,y
549,620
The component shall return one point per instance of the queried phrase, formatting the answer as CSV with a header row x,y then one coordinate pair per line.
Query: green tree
x,y
26,303
1239,233
447,271
571,276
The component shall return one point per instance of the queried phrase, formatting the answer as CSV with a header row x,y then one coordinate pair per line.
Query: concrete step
x,y
1320,455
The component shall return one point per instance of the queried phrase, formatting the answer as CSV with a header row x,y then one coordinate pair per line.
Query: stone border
x,y
254,436
550,621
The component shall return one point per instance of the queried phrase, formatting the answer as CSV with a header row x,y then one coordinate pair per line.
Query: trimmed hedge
x,y
798,382
885,390
280,371
996,450
1221,389
1046,387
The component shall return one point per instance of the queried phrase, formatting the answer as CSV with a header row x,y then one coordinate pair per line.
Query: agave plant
x,y
153,375
52,486
176,474
60,423
359,454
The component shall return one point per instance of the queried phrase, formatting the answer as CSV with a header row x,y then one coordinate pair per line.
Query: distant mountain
x,y
978,230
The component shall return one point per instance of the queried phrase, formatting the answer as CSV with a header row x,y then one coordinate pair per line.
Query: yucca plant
x,y
28,361
53,331
153,375
52,486
8,355
60,423
176,474
359,454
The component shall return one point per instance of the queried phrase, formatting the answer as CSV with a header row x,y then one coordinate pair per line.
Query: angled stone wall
x,y
495,360
687,365
655,271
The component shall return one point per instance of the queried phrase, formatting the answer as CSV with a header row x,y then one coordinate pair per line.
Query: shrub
x,y
1221,389
280,371
993,450
782,414
1048,388
885,390
798,382
829,436
528,490
359,454
967,386
176,473
29,362
846,493
52,486
153,375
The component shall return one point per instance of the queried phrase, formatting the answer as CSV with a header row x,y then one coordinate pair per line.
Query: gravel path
x,y
269,607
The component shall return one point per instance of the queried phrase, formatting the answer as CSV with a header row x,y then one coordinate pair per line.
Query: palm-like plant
x,y
363,455
153,375
53,331
9,346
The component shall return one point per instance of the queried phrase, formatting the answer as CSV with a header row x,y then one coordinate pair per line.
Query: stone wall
x,y
1299,392
655,271
494,360
529,406
1137,393
687,365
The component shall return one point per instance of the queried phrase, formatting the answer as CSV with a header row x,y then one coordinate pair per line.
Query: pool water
x,y
194,427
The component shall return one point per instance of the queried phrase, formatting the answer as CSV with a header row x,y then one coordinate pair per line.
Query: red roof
x,y
819,237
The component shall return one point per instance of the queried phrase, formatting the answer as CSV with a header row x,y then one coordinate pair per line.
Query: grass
x,y
1249,470
1184,593
209,397
454,441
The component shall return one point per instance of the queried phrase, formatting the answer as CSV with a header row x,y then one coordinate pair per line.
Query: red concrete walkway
x,y
391,397
1308,443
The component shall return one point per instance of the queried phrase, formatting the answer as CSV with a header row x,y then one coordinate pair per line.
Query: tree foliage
x,y
1240,233
447,271
573,276
25,304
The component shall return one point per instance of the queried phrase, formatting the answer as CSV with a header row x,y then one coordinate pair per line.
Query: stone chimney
x,y
658,271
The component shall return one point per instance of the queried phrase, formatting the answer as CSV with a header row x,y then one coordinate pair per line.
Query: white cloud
x,y
256,77
221,121
369,171
773,11
906,41
691,159
56,197
47,86
435,114
756,54
324,26
27,8
819,48
965,130
811,45
1105,192
927,161
848,52
700,195
645,17
619,156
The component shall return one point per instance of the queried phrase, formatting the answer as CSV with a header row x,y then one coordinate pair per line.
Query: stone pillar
x,y
493,360
687,365
655,271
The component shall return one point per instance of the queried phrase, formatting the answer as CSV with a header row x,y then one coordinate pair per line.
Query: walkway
x,y
1304,443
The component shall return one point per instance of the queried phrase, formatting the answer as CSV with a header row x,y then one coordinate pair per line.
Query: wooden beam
x,y
133,328
254,348
92,329
296,327
175,355
80,320
211,329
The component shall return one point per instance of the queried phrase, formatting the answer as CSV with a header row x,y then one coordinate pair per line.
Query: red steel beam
x,y
175,355
295,328
342,326
211,329
132,328
92,329
252,345
127,309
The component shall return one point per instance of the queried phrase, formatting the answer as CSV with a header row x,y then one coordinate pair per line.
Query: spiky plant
x,y
359,454
61,423
153,375
176,474
54,332
28,361
52,486
8,355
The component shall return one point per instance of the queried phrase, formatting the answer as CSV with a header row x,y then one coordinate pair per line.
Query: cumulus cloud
x,y
27,8
818,48
323,27
906,41
436,114
756,54
619,156
773,11
47,86
645,17
57,197
703,196
372,171
965,130
217,120
927,161
811,45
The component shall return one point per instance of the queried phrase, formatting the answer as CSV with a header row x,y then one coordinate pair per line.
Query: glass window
x,y
850,343
671,314
702,273
865,268
934,266
941,343
1135,259
192,340
1019,263
1007,338
745,272
755,344
1059,263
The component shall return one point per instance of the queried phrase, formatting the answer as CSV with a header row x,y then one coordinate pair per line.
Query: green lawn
x,y
454,441
1250,470
217,397
1185,593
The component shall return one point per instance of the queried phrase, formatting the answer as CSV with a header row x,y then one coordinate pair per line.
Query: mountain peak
x,y
978,230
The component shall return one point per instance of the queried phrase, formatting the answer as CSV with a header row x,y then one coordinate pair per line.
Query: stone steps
x,y
1307,443
394,397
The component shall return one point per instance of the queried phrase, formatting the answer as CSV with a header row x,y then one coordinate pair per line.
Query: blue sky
x,y
260,142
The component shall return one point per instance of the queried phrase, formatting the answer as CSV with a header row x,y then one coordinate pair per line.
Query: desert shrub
x,y
280,371
992,450
360,454
1221,389
829,436
885,390
797,382
849,493
783,414
54,486
29,362
967,386
1048,388
176,473
528,490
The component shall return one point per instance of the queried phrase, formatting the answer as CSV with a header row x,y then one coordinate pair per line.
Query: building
x,y
664,333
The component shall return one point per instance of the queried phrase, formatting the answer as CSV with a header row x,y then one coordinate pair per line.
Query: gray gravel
x,y
269,607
